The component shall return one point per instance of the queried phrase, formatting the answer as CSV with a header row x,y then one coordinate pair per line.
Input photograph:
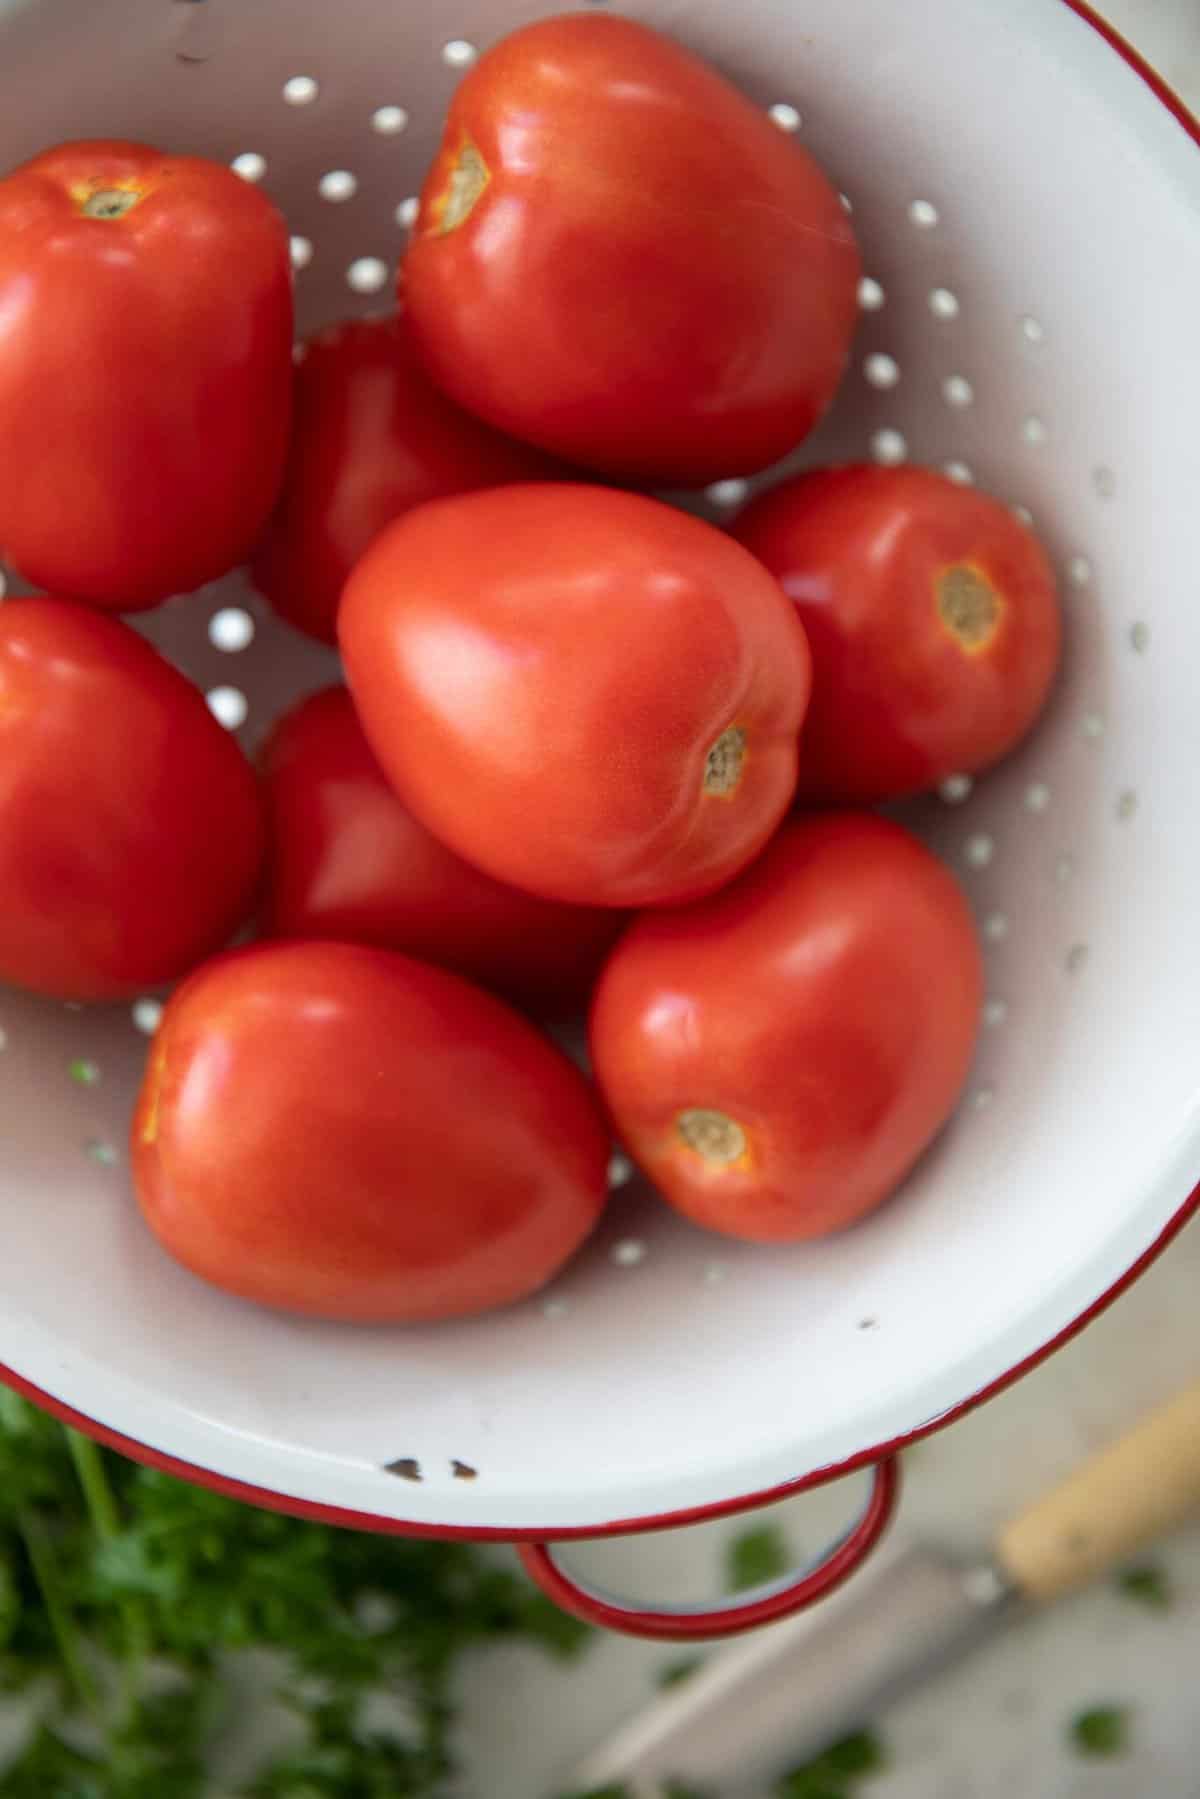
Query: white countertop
x,y
997,1726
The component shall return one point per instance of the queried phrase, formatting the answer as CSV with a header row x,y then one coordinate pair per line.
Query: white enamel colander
x,y
1028,202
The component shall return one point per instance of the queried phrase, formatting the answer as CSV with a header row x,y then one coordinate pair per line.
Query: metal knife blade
x,y
785,1694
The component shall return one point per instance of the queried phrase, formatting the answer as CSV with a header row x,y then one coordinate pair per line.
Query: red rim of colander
x,y
864,1458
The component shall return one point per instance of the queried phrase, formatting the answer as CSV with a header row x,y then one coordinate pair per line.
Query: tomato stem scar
x,y
968,606
110,203
713,1135
725,760
467,179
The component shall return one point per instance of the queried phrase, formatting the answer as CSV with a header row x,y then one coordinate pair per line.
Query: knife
x,y
782,1696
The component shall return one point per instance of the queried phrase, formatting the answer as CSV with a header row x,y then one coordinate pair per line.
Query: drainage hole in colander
x,y
389,121
405,1467
727,493
979,850
147,1015
1092,725
961,473
1127,805
301,252
714,1273
923,214
301,90
995,927
871,296
889,446
943,304
229,706
847,202
406,212
1037,797
881,370
1139,636
785,116
249,165
1033,431
458,53
337,185
555,1308
1079,571
1025,516
620,1169
995,1012
3,1038
1064,869
231,629
957,391
368,275
1031,329
629,1252
955,789
3,583
982,1098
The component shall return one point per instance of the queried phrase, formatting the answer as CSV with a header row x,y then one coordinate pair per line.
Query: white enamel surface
x,y
1066,203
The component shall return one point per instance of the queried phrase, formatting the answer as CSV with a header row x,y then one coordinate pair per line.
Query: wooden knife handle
x,y
1139,1488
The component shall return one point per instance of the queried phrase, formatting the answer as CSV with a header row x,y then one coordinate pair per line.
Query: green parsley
x,y
676,1672
756,1557
836,1773
1149,1585
1103,1730
124,1592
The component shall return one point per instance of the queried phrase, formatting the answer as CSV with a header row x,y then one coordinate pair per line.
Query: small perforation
x,y
1139,636
923,214
979,850
231,629
785,116
995,927
301,90
959,472
955,789
957,391
889,446
301,251
871,295
408,211
727,493
337,186
147,1015
881,370
389,121
229,706
458,53
995,1012
250,165
629,1252
367,275
1033,431
943,304
620,1169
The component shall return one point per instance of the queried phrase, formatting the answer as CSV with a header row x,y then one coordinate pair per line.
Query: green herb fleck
x,y
676,1672
1102,1730
1149,1585
83,1072
836,1773
757,1556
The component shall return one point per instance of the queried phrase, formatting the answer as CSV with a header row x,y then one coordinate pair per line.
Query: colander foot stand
x,y
766,1605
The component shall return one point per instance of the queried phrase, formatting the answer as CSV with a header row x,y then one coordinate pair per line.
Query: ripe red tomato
x,y
350,1134
777,1057
371,437
621,258
131,832
145,371
348,860
933,619
587,693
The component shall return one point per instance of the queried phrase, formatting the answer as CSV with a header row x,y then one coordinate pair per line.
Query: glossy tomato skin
x,y
933,618
371,437
145,371
777,1057
653,281
348,1134
588,694
131,830
348,861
